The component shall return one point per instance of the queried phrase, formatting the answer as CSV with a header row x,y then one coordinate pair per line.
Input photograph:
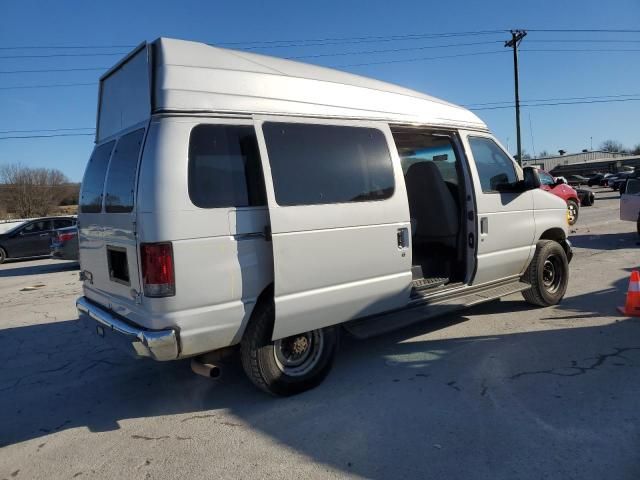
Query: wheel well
x,y
556,234
265,296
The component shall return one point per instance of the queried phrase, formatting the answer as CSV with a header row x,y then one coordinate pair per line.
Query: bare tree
x,y
32,192
543,154
613,146
636,150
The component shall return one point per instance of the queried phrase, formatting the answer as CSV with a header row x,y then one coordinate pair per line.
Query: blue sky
x,y
464,79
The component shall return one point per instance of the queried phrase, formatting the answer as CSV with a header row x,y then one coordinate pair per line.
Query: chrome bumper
x,y
157,344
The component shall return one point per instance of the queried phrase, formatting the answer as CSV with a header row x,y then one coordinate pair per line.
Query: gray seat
x,y
434,211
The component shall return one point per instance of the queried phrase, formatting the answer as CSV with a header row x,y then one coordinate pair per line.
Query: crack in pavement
x,y
575,369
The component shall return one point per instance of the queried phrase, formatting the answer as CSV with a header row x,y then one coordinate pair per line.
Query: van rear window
x,y
224,167
93,181
121,179
319,164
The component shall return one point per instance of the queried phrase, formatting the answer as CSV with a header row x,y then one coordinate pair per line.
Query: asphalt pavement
x,y
500,391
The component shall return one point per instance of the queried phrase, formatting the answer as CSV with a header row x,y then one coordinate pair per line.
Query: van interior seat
x,y
433,209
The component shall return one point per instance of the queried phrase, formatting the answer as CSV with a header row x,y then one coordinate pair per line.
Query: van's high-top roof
x,y
196,77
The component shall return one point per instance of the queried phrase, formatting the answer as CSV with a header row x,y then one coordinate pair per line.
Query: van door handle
x,y
403,238
484,225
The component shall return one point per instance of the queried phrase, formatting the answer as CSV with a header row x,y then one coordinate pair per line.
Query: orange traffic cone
x,y
632,305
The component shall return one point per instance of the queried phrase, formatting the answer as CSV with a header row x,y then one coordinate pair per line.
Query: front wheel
x,y
572,211
289,365
548,274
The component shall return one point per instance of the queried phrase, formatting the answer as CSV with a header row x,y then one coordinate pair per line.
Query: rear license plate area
x,y
118,265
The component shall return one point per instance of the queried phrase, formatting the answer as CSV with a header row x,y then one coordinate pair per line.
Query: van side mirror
x,y
531,178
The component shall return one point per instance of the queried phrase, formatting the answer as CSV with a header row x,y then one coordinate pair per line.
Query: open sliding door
x,y
339,221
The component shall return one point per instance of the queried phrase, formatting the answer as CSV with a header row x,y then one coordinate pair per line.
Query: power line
x,y
52,55
49,136
287,43
62,47
607,50
580,40
47,130
418,59
394,50
554,99
559,103
54,85
49,70
581,30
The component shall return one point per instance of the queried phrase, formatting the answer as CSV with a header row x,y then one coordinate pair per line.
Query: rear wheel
x,y
572,211
548,274
289,365
3,255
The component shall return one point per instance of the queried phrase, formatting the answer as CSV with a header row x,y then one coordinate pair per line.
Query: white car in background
x,y
630,202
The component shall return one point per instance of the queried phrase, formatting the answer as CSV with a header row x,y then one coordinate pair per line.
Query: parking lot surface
x,y
500,391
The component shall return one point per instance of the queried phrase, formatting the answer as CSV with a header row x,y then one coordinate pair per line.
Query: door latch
x,y
403,238
484,225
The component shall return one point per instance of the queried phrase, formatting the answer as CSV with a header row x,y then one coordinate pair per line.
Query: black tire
x,y
3,255
261,356
548,274
588,200
573,211
638,224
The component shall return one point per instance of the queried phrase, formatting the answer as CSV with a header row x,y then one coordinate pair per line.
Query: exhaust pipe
x,y
208,370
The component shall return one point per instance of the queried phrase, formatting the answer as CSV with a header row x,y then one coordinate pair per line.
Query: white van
x,y
238,201
630,201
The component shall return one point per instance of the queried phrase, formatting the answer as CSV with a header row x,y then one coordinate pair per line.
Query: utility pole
x,y
516,38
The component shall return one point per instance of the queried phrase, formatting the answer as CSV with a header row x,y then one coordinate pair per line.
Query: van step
x,y
423,283
447,301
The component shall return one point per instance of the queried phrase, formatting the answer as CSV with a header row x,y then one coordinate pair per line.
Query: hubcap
x,y
552,274
572,213
298,354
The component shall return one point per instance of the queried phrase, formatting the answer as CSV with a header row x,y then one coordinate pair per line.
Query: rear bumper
x,y
157,344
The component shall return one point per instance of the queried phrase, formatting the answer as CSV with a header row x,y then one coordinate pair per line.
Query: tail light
x,y
157,269
65,237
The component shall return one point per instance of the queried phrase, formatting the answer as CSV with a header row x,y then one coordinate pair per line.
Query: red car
x,y
564,191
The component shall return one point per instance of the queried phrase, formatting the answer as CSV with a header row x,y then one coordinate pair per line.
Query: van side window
x,y
224,167
121,179
494,166
320,164
418,146
93,181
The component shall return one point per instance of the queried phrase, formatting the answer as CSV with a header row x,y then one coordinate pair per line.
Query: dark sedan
x,y
31,238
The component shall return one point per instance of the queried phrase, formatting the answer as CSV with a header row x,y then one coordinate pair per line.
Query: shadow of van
x,y
395,406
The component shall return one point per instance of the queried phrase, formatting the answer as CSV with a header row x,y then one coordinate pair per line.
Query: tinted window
x,y
224,167
314,164
35,227
494,166
62,223
121,180
93,181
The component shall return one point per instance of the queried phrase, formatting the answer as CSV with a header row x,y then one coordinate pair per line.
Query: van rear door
x,y
339,220
107,223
